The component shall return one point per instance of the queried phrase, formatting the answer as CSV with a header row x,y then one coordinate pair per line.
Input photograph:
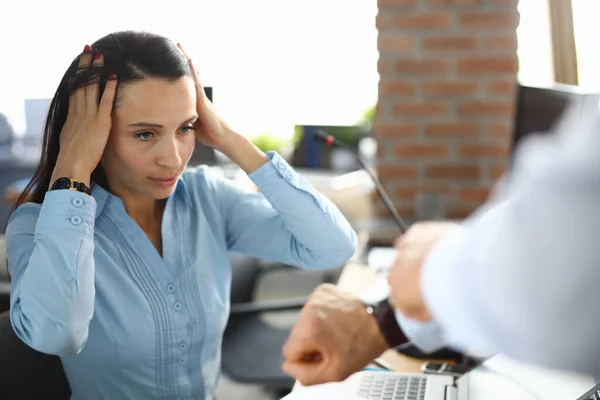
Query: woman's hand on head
x,y
210,128
85,133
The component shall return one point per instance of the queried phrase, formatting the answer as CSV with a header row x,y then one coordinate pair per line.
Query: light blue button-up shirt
x,y
89,286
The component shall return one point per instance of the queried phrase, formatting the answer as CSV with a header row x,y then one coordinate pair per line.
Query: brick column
x,y
446,98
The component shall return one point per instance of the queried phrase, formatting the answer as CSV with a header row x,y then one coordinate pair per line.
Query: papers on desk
x,y
328,391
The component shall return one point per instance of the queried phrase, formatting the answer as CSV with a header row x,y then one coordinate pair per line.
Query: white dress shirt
x,y
522,277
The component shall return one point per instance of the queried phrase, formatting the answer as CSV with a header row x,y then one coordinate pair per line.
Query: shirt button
x,y
77,202
182,345
181,361
289,176
171,288
76,220
177,306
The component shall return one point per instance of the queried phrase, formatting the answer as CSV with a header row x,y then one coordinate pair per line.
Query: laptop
x,y
498,378
383,385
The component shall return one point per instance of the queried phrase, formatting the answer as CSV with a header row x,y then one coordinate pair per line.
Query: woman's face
x,y
152,138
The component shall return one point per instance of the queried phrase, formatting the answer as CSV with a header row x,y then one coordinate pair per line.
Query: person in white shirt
x,y
520,277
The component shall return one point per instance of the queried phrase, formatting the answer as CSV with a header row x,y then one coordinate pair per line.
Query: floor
x,y
288,283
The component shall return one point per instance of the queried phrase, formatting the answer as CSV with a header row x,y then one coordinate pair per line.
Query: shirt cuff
x,y
67,209
427,336
276,168
440,280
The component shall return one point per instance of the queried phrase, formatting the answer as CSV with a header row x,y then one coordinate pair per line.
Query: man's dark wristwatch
x,y
70,184
385,315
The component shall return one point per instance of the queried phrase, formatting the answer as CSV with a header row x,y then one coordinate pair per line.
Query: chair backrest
x,y
245,271
26,373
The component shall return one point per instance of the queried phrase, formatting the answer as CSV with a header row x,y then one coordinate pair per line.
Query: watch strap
x,y
82,187
385,315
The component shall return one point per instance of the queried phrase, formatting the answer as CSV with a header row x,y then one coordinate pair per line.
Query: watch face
x,y
62,183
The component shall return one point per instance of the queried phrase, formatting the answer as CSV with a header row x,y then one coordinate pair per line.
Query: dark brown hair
x,y
132,56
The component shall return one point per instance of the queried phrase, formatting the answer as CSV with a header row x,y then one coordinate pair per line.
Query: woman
x,y
129,282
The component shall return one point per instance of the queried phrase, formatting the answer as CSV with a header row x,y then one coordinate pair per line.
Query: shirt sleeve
x,y
286,221
427,336
50,250
521,278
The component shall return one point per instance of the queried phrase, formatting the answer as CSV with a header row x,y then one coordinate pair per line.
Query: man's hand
x,y
405,277
333,338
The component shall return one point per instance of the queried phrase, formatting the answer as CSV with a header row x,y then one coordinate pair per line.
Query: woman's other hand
x,y
211,130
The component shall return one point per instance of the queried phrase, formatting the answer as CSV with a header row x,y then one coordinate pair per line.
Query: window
x,y
535,44
272,64
587,32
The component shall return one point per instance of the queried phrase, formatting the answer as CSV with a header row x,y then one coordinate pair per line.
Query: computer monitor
x,y
538,109
203,154
310,153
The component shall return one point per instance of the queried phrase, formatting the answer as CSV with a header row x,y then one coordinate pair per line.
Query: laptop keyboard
x,y
392,387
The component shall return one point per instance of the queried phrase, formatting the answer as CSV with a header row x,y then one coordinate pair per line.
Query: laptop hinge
x,y
451,393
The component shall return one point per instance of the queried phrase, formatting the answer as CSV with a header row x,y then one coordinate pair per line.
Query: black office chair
x,y
4,280
4,296
251,351
26,373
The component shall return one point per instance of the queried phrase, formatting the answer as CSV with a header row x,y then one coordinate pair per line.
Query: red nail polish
x,y
87,48
97,56
112,75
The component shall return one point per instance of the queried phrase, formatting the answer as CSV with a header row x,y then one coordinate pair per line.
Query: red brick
x,y
404,88
411,191
452,88
476,195
489,20
384,67
453,171
453,130
482,150
486,108
453,3
394,43
497,171
392,171
420,150
432,66
395,3
460,211
380,109
419,109
449,43
506,3
502,87
488,65
501,42
423,20
386,130
407,193
384,20
501,131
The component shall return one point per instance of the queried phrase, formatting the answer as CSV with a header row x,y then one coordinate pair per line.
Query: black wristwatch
x,y
385,315
70,184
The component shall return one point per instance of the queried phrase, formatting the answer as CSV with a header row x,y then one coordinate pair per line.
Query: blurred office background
x,y
430,92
